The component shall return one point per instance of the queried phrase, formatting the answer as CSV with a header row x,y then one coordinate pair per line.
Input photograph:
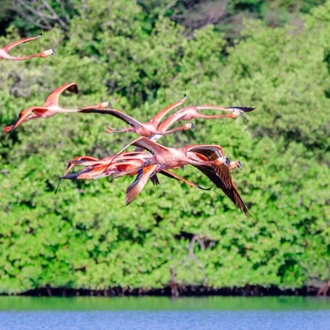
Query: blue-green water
x,y
163,313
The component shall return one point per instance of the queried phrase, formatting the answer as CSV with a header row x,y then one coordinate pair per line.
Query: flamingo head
x,y
189,126
235,113
104,105
47,52
222,160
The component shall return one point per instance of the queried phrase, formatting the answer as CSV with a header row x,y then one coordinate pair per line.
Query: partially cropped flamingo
x,y
219,174
146,129
4,51
50,108
166,158
128,167
91,161
192,112
210,159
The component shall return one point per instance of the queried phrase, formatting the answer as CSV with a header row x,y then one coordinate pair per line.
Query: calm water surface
x,y
163,313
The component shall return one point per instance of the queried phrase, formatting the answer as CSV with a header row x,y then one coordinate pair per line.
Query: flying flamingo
x,y
129,167
168,157
165,158
209,159
146,129
192,112
219,174
4,51
50,108
91,161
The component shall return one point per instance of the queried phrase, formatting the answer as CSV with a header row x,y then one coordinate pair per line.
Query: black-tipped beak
x,y
54,52
227,161
239,165
193,126
182,168
184,95
244,109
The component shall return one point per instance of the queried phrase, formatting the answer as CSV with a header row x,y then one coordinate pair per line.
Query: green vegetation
x,y
84,236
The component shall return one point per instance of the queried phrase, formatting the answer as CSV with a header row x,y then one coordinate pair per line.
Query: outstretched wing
x,y
116,113
227,187
21,41
53,97
212,152
136,187
160,115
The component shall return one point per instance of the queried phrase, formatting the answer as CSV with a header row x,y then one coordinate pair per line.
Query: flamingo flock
x,y
149,157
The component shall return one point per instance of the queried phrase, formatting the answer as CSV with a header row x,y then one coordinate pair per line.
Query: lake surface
x,y
89,313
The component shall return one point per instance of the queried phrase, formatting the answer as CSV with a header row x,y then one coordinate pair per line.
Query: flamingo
x,y
209,159
129,167
192,112
165,158
4,51
50,108
146,129
220,174
168,157
91,161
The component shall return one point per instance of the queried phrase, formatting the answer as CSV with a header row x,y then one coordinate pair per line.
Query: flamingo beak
x,y
227,161
239,165
193,126
182,168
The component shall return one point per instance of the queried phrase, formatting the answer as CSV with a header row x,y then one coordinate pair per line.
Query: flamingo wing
x,y
18,42
157,119
212,152
53,97
143,143
116,113
141,179
168,122
39,111
230,191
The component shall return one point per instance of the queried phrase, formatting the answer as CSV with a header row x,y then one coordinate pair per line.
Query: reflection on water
x,y
13,303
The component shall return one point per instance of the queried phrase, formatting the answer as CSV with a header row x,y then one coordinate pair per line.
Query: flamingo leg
x,y
123,130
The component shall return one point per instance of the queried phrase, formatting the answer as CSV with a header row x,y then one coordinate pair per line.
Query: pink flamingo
x,y
50,108
129,167
4,51
192,112
209,159
146,129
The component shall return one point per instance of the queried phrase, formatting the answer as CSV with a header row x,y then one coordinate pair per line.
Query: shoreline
x,y
178,291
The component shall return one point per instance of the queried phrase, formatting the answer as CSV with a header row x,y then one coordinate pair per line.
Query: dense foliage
x,y
84,236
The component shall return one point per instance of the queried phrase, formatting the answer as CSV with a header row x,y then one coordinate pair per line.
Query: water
x,y
86,313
